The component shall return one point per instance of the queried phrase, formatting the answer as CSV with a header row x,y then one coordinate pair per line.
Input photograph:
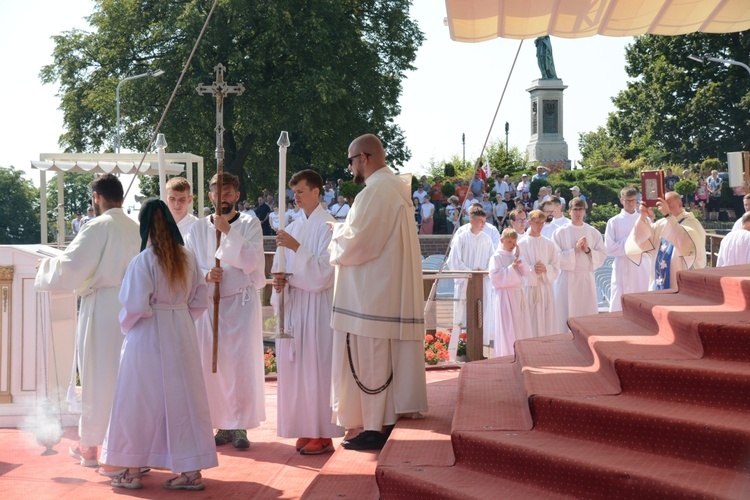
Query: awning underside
x,y
107,167
480,20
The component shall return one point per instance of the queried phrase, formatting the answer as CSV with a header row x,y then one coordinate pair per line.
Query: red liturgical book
x,y
652,186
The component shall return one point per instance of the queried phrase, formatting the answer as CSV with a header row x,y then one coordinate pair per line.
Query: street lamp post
x,y
703,59
156,72
507,129
463,141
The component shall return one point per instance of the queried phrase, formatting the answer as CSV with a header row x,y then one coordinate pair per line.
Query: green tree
x,y
676,110
325,70
76,195
598,148
505,162
19,209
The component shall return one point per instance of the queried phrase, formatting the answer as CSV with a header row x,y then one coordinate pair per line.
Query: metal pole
x,y
463,141
507,128
156,72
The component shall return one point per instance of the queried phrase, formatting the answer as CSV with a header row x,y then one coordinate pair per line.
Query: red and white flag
x,y
484,171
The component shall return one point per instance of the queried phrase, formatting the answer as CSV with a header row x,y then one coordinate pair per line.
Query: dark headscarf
x,y
147,213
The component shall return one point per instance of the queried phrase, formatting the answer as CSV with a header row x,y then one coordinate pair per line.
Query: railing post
x,y
474,316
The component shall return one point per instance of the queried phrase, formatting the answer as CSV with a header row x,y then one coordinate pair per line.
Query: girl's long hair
x,y
170,254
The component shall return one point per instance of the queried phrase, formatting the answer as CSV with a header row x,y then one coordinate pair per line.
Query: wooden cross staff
x,y
219,89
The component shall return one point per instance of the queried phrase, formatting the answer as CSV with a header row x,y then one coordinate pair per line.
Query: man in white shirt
x,y
518,220
523,186
419,194
304,362
626,276
468,202
502,187
340,209
746,205
235,390
247,209
471,250
581,253
500,211
735,247
552,208
93,266
180,203
543,257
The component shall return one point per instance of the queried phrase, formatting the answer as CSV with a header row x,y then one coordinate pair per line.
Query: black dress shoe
x,y
367,440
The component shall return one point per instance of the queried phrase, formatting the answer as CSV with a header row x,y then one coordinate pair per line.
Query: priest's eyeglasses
x,y
351,160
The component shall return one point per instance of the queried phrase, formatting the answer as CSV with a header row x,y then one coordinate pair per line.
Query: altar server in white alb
x,y
180,202
160,416
235,391
676,242
735,247
507,273
581,252
552,208
378,304
471,250
543,257
93,265
304,361
627,277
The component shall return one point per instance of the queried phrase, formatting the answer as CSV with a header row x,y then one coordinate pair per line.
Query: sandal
x,y
103,471
128,480
186,481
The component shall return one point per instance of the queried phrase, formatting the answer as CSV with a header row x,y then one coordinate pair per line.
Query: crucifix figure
x,y
219,88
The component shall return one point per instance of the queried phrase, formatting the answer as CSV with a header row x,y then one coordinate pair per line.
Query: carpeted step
x,y
492,396
557,365
455,483
427,440
588,469
730,341
725,285
668,313
720,438
612,337
707,382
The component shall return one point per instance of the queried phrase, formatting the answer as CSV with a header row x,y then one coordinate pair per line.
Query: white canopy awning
x,y
108,163
480,20
107,167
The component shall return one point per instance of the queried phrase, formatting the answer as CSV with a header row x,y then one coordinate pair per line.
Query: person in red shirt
x,y
461,189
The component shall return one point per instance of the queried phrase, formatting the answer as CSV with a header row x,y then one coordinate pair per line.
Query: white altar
x,y
37,339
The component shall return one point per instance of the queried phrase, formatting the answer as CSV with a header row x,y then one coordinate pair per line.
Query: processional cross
x,y
219,88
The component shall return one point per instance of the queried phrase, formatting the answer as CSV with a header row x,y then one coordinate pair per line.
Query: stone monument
x,y
547,144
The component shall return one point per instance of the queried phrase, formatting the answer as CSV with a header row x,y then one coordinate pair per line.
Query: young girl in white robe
x,y
507,272
160,417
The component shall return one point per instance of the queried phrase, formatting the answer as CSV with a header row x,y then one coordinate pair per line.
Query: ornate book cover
x,y
652,186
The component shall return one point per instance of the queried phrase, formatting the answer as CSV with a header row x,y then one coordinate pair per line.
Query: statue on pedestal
x,y
544,57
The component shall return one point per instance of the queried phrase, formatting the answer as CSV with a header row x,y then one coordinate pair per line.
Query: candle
x,y
161,144
283,143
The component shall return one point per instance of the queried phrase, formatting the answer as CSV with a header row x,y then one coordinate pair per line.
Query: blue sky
x,y
454,90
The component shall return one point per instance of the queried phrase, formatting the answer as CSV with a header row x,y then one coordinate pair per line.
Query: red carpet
x,y
653,402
